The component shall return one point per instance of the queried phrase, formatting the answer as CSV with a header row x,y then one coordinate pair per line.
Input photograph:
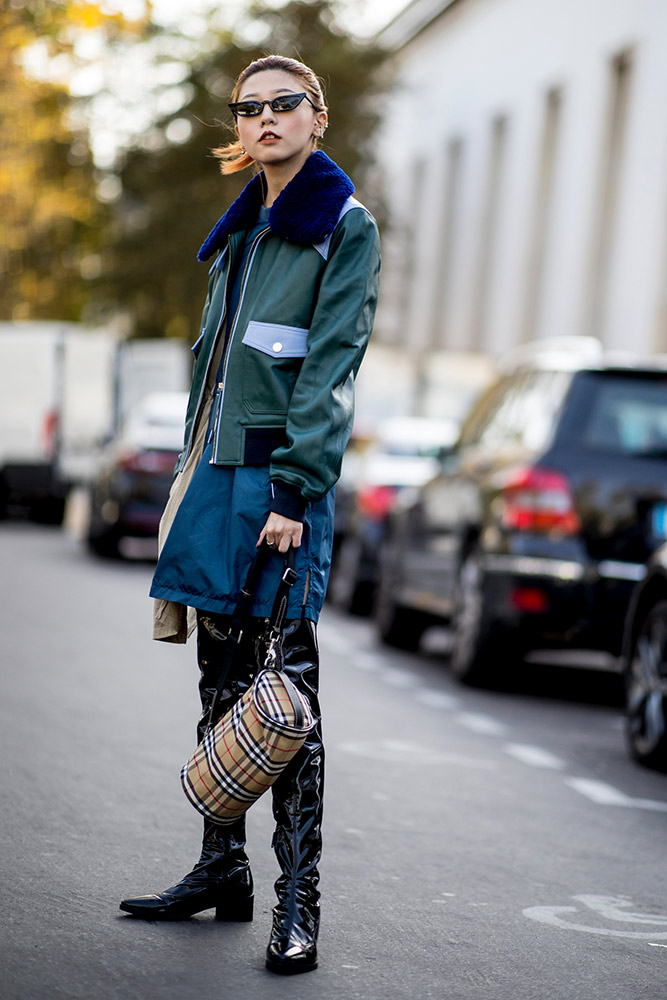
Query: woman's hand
x,y
280,532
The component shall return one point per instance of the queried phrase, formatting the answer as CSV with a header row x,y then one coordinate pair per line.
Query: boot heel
x,y
240,910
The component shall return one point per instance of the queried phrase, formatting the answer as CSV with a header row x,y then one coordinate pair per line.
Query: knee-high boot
x,y
221,878
297,809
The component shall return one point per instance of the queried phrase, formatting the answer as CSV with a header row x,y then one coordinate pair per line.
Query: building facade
x,y
524,161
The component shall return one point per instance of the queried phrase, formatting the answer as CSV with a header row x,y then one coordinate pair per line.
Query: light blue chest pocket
x,y
272,365
277,340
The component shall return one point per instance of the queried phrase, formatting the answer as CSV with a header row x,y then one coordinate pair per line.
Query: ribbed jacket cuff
x,y
288,501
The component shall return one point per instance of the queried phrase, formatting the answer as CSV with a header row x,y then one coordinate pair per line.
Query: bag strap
x,y
240,613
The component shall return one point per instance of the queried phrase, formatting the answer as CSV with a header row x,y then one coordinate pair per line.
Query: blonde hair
x,y
233,157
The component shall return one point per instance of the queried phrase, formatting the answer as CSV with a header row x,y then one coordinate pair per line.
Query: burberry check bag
x,y
243,754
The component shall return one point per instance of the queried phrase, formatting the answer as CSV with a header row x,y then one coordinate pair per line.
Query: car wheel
x,y
397,625
48,511
104,544
483,653
646,691
348,591
4,497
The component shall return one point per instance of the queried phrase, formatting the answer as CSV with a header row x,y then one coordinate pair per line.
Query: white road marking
x,y
615,908
606,795
397,678
535,756
652,944
398,751
607,907
437,699
483,724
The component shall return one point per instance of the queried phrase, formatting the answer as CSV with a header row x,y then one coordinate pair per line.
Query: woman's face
x,y
277,137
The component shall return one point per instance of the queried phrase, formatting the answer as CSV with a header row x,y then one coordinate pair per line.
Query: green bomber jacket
x,y
305,314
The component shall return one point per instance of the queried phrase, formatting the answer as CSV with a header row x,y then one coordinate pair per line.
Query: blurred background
x,y
502,510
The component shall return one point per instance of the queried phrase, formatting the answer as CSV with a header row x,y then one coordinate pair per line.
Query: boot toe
x,y
151,906
288,959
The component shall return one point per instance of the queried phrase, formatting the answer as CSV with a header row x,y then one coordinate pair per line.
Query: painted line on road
x,y
612,908
397,678
486,725
603,794
437,699
535,756
404,752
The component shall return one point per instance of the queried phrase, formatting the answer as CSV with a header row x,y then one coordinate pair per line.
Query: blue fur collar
x,y
305,211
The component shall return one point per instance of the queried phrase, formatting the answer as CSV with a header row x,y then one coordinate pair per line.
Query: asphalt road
x,y
477,845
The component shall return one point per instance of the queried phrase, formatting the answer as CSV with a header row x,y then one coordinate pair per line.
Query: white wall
x,y
481,60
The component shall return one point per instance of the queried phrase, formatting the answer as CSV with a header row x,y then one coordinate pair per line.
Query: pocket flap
x,y
277,340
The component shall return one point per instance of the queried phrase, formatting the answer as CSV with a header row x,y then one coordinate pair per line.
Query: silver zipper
x,y
186,451
222,385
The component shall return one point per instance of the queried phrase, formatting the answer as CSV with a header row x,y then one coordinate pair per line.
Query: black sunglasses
x,y
286,102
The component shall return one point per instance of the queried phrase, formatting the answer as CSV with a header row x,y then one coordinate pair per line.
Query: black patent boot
x,y
297,808
221,878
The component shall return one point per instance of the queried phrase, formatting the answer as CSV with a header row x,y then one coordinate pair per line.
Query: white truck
x,y
65,388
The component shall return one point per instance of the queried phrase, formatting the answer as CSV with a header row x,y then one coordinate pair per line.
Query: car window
x,y
484,412
541,402
625,415
524,413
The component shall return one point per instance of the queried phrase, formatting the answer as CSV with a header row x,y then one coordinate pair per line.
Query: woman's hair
x,y
232,158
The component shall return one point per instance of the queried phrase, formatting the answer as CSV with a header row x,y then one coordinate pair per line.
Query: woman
x,y
290,307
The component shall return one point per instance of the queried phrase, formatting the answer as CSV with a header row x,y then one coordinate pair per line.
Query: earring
x,y
243,149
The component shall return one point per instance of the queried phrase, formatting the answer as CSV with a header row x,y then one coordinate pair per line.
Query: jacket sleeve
x,y
321,410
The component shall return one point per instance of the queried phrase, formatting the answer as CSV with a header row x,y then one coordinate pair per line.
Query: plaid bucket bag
x,y
245,751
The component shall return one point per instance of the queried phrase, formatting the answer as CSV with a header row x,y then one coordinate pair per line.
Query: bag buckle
x,y
273,649
290,576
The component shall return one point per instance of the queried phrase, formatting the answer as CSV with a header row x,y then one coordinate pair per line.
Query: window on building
x,y
620,80
541,214
409,246
447,230
487,236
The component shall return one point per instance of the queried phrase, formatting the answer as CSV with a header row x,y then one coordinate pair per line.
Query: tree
x,y
51,221
173,192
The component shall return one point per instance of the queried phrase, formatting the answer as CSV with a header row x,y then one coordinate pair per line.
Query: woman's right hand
x,y
281,532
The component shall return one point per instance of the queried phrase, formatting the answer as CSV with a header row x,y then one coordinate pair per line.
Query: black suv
x,y
542,518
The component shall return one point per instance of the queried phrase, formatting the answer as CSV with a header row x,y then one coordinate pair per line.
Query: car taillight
x,y
531,600
533,499
50,433
376,501
156,461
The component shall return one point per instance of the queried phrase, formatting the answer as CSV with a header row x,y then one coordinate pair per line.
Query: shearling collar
x,y
305,211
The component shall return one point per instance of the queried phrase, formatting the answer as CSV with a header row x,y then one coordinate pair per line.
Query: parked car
x,y
542,517
402,455
645,666
135,473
